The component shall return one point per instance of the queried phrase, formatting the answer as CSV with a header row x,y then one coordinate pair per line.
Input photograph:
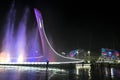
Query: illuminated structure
x,y
73,53
20,47
109,54
48,51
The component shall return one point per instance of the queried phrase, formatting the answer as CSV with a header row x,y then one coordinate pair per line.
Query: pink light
x,y
4,57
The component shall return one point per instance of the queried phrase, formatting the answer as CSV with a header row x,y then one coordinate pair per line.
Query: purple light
x,y
18,46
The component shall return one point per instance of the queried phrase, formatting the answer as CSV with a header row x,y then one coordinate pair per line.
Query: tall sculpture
x,y
48,52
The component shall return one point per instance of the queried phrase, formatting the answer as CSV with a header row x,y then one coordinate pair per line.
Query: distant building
x,y
109,54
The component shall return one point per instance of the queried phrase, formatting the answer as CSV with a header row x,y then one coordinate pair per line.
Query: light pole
x,y
89,57
89,53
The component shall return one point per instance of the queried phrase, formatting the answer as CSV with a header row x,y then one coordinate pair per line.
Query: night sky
x,y
73,24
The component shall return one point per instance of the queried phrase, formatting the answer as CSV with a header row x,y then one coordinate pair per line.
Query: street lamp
x,y
89,56
88,53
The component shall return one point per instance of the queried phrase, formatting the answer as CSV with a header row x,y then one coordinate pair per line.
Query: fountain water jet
x,y
18,46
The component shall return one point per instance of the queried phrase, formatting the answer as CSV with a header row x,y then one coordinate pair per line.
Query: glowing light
x,y
89,53
73,53
17,47
21,58
80,66
40,24
4,57
112,73
39,20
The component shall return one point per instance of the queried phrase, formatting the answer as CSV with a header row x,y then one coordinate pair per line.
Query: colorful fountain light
x,y
4,57
17,45
21,45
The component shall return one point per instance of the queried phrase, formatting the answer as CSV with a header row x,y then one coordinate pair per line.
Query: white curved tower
x,y
48,52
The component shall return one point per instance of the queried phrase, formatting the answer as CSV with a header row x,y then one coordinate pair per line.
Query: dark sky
x,y
73,24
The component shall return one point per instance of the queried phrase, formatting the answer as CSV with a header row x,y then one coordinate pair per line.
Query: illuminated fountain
x,y
17,45
19,48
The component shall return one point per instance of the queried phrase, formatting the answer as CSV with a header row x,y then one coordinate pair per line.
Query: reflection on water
x,y
28,73
78,73
89,72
